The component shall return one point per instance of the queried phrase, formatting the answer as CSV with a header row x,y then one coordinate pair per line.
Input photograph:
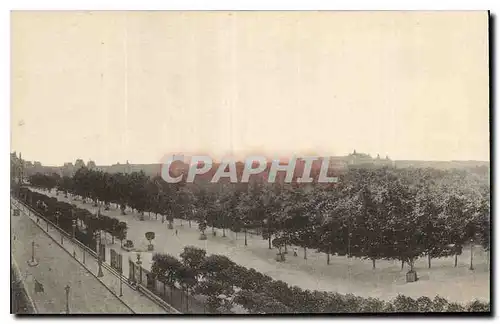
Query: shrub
x,y
478,306
405,304
454,307
425,304
372,305
439,304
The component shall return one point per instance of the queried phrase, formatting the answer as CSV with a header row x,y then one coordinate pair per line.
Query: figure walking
x,y
39,287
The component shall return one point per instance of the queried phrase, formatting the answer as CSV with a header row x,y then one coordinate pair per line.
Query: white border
x,y
7,6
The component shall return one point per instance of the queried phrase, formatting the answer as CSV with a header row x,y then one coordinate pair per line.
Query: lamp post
x,y
74,227
33,252
67,288
33,262
99,261
121,276
139,262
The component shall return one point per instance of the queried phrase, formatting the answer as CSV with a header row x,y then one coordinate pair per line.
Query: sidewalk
x,y
45,283
131,297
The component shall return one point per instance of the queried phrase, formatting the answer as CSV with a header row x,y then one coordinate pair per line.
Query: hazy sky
x,y
116,86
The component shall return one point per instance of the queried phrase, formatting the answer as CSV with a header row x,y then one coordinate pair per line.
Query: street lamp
x,y
74,227
57,218
99,261
121,275
67,288
139,262
32,262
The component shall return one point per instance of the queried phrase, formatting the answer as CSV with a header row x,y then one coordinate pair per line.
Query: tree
x,y
167,269
217,282
138,190
193,257
187,280
121,232
459,220
202,226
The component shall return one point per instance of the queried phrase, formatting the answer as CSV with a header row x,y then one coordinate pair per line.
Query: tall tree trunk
x,y
373,263
412,264
471,257
189,223
429,259
269,240
402,264
286,250
456,260
246,237
305,253
328,256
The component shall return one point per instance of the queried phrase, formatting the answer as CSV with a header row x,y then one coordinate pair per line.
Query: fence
x,y
116,260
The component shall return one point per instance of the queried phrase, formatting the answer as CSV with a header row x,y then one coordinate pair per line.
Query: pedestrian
x,y
295,251
176,232
39,287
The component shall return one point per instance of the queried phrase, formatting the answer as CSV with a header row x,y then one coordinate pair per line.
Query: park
x,y
391,243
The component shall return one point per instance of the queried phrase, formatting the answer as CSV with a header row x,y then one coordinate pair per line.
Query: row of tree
x,y
66,215
379,213
227,284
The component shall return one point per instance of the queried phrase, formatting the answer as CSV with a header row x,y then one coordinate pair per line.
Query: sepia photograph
x,y
250,162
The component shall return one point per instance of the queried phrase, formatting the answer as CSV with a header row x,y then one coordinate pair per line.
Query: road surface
x,y
54,271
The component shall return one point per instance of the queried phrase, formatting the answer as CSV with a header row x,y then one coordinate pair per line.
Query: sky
x,y
136,86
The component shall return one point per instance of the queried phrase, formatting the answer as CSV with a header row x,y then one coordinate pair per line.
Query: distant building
x,y
68,169
79,164
358,159
91,165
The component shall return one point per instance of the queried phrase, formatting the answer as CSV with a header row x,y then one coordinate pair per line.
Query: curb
x,y
17,272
